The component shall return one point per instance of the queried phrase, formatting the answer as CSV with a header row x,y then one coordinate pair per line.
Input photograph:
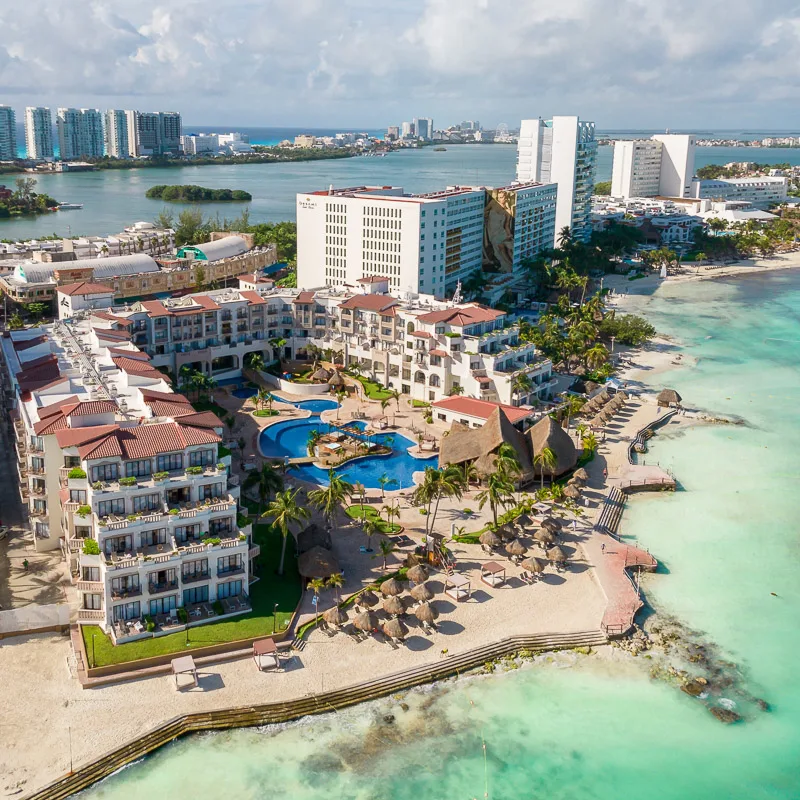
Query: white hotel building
x,y
422,243
760,190
127,479
660,166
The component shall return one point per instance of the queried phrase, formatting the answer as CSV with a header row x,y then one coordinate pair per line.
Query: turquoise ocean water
x,y
596,730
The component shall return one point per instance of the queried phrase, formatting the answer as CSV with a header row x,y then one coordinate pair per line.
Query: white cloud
x,y
713,63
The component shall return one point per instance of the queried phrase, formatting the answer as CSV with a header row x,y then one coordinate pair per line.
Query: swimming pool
x,y
290,439
245,393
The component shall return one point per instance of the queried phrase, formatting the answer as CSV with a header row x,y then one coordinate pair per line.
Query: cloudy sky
x,y
699,64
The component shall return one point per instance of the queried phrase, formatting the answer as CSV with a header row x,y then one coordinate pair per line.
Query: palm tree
x,y
385,404
449,484
589,442
498,491
370,528
469,474
395,395
313,438
328,498
262,396
507,461
456,389
382,482
268,480
521,385
340,396
572,405
256,362
546,459
387,548
580,429
596,356
316,584
285,512
426,491
391,510
336,581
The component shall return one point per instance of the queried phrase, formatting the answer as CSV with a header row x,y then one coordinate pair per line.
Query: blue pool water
x,y
290,438
245,393
316,406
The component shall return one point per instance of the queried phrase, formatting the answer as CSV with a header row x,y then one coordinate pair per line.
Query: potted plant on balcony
x,y
194,470
76,473
160,477
91,547
131,481
83,511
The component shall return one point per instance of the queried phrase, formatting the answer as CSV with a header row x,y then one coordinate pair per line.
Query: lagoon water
x,y
601,731
115,199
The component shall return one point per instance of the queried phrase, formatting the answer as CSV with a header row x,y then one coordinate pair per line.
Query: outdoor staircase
x,y
611,514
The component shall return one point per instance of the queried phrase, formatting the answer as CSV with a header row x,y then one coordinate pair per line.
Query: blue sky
x,y
623,63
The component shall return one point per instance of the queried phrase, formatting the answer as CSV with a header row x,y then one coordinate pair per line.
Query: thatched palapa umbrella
x,y
394,606
623,394
417,574
422,593
426,613
335,616
368,599
318,563
489,539
534,565
395,629
366,621
516,548
668,397
571,492
336,380
544,537
551,524
321,375
391,588
556,555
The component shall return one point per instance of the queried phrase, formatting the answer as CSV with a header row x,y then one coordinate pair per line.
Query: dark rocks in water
x,y
762,704
693,688
323,762
725,715
404,706
388,719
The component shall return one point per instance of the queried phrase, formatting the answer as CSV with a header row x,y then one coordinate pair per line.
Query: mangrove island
x,y
196,194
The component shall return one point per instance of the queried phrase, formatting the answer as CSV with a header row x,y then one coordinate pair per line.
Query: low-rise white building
x,y
84,295
760,191
194,144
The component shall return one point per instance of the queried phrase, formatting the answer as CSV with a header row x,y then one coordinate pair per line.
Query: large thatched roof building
x,y
480,446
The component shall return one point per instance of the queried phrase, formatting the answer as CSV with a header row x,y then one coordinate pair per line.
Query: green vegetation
x,y
25,201
603,188
132,481
373,390
372,515
84,511
714,171
266,412
76,473
628,329
746,239
283,590
188,193
223,451
420,404
91,547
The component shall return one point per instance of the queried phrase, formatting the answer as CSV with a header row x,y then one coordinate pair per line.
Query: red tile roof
x,y
253,298
84,288
138,355
421,334
163,408
371,302
155,308
481,409
459,316
111,333
55,408
372,279
304,297
206,302
105,447
74,437
134,366
112,318
54,418
440,353
202,419
170,397
84,408
35,377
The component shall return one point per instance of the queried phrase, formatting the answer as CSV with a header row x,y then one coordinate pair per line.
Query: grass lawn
x,y
284,590
368,512
374,391
420,404
266,412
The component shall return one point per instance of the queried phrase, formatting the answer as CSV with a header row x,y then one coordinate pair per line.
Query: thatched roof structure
x,y
395,629
668,397
417,573
366,621
490,539
548,433
317,563
391,588
422,593
321,374
335,616
551,524
524,520
336,379
313,536
425,612
544,537
368,599
556,554
535,565
516,548
394,605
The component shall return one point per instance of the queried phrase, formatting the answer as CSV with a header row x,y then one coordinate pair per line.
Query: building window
x,y
77,496
127,611
148,502
105,508
163,605
170,462
201,458
138,469
92,602
211,491
197,594
230,589
105,472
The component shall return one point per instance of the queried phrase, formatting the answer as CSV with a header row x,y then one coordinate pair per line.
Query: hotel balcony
x,y
122,593
92,587
155,587
195,577
91,615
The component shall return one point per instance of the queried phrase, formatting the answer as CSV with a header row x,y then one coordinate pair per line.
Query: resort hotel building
x,y
662,166
423,244
563,151
126,478
760,190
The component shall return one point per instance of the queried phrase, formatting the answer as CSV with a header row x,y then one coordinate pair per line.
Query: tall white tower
x,y
38,133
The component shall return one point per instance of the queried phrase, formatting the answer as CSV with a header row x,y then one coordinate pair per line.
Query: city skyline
x,y
232,62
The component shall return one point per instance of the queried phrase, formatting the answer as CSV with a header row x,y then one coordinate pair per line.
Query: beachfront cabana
x,y
557,555
368,599
366,621
421,593
547,433
417,574
533,565
544,538
318,562
391,588
395,629
184,665
336,381
265,654
493,574
458,587
394,606
551,524
668,398
322,375
335,616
